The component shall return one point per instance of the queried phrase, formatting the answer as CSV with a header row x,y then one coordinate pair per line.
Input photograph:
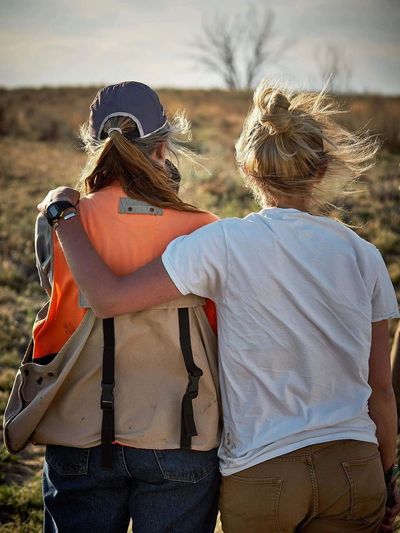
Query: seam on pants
x,y
121,451
314,483
278,506
296,459
159,464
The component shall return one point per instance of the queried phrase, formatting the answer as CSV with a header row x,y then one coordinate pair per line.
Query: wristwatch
x,y
55,211
391,476
392,473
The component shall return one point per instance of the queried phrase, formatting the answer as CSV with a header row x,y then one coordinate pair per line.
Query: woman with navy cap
x,y
134,431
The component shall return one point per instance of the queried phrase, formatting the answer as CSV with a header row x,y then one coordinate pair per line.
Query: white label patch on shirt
x,y
130,206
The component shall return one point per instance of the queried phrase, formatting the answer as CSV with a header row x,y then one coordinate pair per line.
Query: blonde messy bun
x,y
291,146
273,109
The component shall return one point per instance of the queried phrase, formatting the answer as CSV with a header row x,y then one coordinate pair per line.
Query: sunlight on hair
x,y
291,147
126,157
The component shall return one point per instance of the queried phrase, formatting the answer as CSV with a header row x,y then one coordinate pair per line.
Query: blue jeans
x,y
161,490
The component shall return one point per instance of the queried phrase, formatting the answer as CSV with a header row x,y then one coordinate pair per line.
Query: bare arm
x,y
107,293
382,403
395,362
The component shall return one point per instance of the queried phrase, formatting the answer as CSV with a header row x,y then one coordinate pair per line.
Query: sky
x,y
97,42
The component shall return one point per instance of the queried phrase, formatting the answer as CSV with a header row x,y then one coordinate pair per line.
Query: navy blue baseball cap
x,y
127,99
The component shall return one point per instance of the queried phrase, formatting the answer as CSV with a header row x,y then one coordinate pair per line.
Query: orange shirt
x,y
125,242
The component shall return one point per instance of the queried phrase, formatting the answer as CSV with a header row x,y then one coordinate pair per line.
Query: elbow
x,y
103,309
104,300
101,312
102,306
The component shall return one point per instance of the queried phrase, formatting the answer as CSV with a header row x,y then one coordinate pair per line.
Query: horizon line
x,y
53,86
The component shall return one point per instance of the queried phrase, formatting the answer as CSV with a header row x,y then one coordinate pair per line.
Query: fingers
x,y
391,513
387,525
60,194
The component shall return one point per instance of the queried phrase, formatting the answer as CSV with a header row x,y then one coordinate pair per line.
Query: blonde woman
x,y
302,305
133,431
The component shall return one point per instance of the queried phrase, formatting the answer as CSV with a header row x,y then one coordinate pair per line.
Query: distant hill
x,y
53,114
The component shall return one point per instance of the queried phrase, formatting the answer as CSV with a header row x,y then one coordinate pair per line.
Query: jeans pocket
x,y
67,461
189,466
367,488
249,504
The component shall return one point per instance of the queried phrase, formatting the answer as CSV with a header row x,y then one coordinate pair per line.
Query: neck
x,y
300,204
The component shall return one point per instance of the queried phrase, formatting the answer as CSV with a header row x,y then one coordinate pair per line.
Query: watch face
x,y
52,210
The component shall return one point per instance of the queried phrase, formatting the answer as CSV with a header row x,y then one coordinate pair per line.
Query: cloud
x,y
95,41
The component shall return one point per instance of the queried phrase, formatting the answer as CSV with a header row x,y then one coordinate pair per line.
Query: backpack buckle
x,y
192,389
107,396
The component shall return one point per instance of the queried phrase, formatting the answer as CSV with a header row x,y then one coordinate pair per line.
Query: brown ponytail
x,y
130,163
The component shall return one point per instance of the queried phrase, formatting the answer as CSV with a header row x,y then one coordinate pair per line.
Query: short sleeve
x,y
197,263
384,303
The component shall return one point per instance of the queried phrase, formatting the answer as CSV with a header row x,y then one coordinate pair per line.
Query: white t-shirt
x,y
296,295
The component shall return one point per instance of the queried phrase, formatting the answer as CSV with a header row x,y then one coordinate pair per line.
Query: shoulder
x,y
89,200
225,226
361,244
230,230
204,218
108,195
189,221
349,234
367,256
235,227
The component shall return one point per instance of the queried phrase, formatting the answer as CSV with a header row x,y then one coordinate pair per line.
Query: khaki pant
x,y
325,488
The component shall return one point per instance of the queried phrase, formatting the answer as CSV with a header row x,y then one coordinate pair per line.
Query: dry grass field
x,y
39,150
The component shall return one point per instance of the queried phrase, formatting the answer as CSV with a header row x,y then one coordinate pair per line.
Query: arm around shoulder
x,y
107,293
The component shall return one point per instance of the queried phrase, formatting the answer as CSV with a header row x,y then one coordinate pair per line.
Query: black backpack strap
x,y
188,426
107,393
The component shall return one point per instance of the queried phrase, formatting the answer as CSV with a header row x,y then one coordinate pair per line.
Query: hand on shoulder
x,y
60,194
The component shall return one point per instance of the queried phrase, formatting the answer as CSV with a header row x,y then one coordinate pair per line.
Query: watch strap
x,y
391,476
392,473
55,210
64,216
